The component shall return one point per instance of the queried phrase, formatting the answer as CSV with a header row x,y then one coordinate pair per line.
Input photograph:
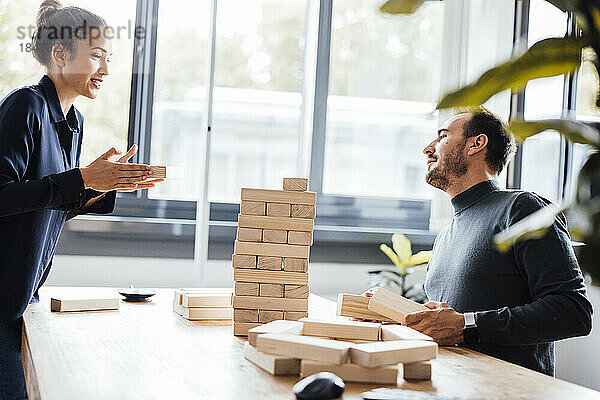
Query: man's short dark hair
x,y
501,145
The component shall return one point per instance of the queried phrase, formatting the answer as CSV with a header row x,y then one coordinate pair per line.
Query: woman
x,y
41,185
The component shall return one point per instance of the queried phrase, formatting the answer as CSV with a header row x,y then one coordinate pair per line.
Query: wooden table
x,y
145,351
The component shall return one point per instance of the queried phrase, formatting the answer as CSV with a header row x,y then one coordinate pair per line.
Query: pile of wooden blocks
x,y
270,260
367,352
200,304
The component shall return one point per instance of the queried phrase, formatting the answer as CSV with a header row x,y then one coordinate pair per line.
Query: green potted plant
x,y
548,57
406,264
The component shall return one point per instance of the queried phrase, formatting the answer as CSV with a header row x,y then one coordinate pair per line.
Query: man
x,y
510,305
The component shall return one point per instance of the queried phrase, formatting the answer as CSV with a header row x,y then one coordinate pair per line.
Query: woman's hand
x,y
104,175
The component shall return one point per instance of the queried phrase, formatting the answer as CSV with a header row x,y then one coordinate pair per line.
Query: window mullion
x,y
517,101
569,109
203,164
317,160
142,83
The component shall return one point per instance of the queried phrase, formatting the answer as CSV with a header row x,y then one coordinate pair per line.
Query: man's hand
x,y
104,175
441,322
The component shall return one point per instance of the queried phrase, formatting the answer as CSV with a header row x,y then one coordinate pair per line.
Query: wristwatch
x,y
470,332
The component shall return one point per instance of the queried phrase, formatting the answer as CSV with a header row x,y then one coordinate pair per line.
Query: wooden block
x,y
245,315
206,299
275,365
294,315
300,238
246,289
270,303
178,309
295,264
274,236
279,196
340,329
296,291
264,276
419,370
243,261
303,211
158,171
393,305
401,332
265,316
242,328
272,249
80,304
204,313
357,306
288,327
278,223
253,208
304,347
271,290
386,375
295,184
249,234
270,263
279,210
176,300
376,354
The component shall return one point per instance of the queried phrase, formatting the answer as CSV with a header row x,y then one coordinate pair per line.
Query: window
x,y
107,116
179,94
384,78
587,89
540,170
19,68
257,96
384,82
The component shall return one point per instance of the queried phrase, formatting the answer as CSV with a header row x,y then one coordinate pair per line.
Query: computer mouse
x,y
321,386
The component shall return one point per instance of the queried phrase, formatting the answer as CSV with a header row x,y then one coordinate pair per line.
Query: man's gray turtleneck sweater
x,y
525,299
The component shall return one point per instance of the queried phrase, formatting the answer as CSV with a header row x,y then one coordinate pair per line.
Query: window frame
x,y
341,219
133,206
569,106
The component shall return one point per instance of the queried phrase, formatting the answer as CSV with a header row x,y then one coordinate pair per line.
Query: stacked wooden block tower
x,y
367,352
270,260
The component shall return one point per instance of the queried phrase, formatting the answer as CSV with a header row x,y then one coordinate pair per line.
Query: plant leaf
x,y
421,257
401,6
575,131
391,255
548,57
563,5
402,247
531,227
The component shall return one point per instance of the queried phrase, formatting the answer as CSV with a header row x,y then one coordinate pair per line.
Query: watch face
x,y
469,319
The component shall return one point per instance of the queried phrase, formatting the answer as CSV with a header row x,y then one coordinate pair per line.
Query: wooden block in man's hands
x,y
392,305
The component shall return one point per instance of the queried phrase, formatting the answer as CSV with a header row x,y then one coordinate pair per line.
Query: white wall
x,y
578,360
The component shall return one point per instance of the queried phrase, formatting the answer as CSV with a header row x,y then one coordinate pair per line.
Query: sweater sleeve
x,y
559,307
19,123
104,205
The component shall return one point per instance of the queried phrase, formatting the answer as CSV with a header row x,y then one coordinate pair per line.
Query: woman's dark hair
x,y
66,26
501,145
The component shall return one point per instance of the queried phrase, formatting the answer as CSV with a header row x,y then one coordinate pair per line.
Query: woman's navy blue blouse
x,y
40,188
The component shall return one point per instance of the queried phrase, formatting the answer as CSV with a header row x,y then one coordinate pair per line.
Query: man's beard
x,y
452,166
